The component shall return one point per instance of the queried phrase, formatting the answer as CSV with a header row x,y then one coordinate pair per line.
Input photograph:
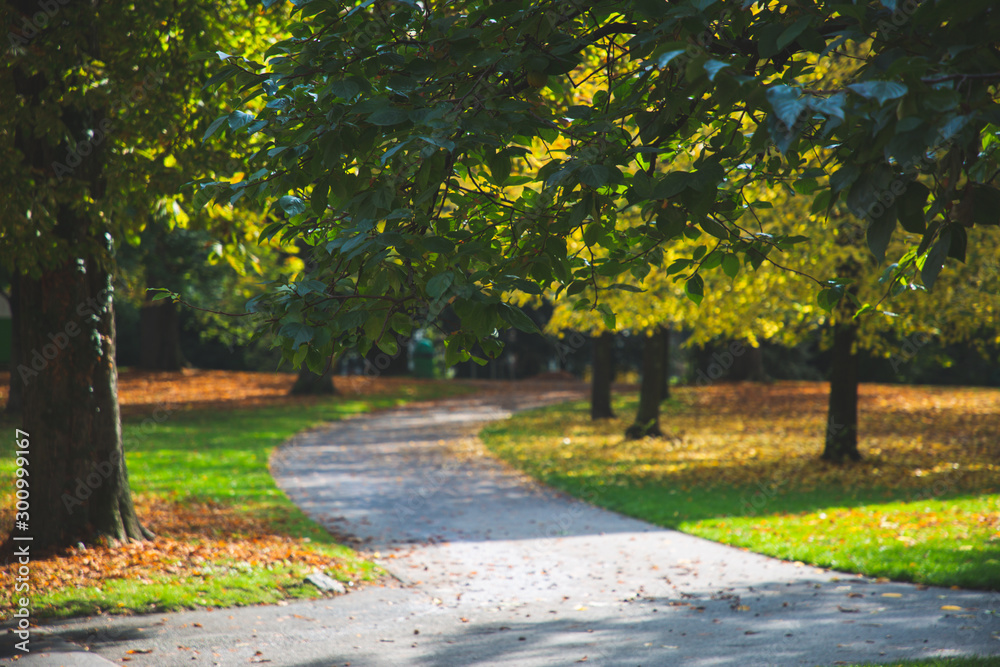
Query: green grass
x,y
937,662
221,458
876,518
216,587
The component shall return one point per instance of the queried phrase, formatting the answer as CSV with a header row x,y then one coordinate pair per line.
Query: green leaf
x,y
300,355
787,103
345,89
671,185
515,317
214,127
298,332
694,288
320,195
828,298
714,228
934,260
439,284
713,67
388,344
844,177
911,207
161,294
789,34
292,205
390,116
880,231
454,352
594,175
238,119
608,316
731,265
499,165
880,91
666,58
625,287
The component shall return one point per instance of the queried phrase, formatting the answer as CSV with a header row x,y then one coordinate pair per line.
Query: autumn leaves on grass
x,y
198,547
743,468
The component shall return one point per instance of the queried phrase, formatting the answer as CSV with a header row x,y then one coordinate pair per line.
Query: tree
x,y
647,417
15,393
437,155
100,103
602,375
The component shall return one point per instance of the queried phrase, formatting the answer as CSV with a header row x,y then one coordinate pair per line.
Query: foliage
x,y
125,106
403,143
225,533
741,469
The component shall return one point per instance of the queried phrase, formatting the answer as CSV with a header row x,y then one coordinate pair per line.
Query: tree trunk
x,y
665,388
79,489
755,365
313,384
160,337
647,418
15,397
842,417
79,482
603,375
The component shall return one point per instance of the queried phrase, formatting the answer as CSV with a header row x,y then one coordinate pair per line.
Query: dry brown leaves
x,y
141,392
945,438
188,537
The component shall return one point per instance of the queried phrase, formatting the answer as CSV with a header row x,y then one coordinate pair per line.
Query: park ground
x,y
739,467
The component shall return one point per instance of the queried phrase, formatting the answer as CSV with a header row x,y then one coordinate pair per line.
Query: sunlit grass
x,y
938,662
742,468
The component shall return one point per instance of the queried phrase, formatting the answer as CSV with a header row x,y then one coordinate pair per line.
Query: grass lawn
x,y
742,468
226,535
940,662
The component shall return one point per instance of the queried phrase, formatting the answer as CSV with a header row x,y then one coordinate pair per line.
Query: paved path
x,y
497,570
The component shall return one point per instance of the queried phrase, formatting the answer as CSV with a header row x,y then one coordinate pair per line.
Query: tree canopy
x,y
97,129
439,154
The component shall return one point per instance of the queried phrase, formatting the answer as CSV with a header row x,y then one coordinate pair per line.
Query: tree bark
x,y
665,388
160,337
755,365
15,397
79,481
647,418
842,418
602,376
313,384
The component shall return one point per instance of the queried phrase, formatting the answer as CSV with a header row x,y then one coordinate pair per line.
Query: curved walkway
x,y
497,570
